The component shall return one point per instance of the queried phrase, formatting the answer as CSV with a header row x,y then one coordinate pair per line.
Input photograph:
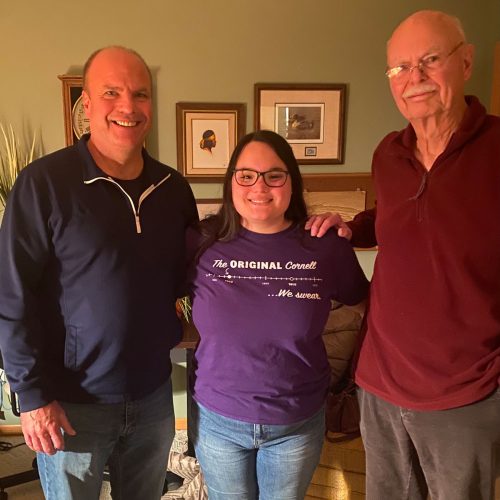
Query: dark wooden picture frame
x,y
311,117
207,134
72,109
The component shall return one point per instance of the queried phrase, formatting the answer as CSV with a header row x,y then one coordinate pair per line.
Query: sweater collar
x,y
474,116
154,170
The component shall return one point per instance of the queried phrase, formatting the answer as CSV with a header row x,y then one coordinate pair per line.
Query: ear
x,y
86,103
468,60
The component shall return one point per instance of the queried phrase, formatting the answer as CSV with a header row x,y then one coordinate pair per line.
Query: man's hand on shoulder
x,y
320,224
42,428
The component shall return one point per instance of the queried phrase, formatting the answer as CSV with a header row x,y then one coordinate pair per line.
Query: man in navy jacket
x,y
92,254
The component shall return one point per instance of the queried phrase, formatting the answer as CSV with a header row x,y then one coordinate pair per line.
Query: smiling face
x,y
428,93
117,101
261,208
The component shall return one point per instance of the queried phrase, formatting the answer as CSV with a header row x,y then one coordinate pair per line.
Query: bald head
x,y
112,48
450,27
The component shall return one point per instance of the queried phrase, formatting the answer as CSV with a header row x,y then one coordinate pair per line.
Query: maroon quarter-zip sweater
x,y
433,338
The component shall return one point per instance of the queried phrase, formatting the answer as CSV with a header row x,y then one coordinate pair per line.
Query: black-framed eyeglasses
x,y
430,63
248,177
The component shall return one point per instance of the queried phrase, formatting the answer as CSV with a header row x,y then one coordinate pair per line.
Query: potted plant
x,y
14,156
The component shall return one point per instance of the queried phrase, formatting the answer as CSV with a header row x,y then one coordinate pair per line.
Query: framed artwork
x,y
206,136
75,122
208,206
309,116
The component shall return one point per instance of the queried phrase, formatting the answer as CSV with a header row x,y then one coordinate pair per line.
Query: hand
x,y
320,224
42,428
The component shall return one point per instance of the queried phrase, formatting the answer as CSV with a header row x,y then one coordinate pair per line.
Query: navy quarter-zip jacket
x,y
88,281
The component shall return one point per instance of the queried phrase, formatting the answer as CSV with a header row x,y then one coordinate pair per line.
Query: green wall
x,y
215,52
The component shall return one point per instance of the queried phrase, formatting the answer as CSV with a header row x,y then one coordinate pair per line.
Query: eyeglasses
x,y
428,63
248,177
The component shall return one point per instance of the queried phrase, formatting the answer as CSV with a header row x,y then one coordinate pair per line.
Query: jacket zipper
x,y
417,197
143,196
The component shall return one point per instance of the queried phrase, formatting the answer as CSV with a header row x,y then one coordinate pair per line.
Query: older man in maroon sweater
x,y
430,363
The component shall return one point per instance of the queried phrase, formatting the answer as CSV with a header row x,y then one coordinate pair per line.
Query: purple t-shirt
x,y
260,303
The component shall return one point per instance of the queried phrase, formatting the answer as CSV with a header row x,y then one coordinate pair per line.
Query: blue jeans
x,y
243,461
133,438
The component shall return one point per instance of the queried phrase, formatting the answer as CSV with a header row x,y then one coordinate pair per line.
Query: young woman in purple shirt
x,y
261,290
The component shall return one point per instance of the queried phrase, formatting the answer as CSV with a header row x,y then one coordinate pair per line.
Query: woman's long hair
x,y
226,223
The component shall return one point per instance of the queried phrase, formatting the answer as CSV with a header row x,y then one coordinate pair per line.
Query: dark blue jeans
x,y
133,438
448,454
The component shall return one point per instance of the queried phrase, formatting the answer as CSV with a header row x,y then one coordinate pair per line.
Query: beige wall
x,y
215,52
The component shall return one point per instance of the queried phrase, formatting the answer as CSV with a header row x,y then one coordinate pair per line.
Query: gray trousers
x,y
448,454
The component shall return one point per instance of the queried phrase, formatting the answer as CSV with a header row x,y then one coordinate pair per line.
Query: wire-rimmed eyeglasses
x,y
248,177
430,63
